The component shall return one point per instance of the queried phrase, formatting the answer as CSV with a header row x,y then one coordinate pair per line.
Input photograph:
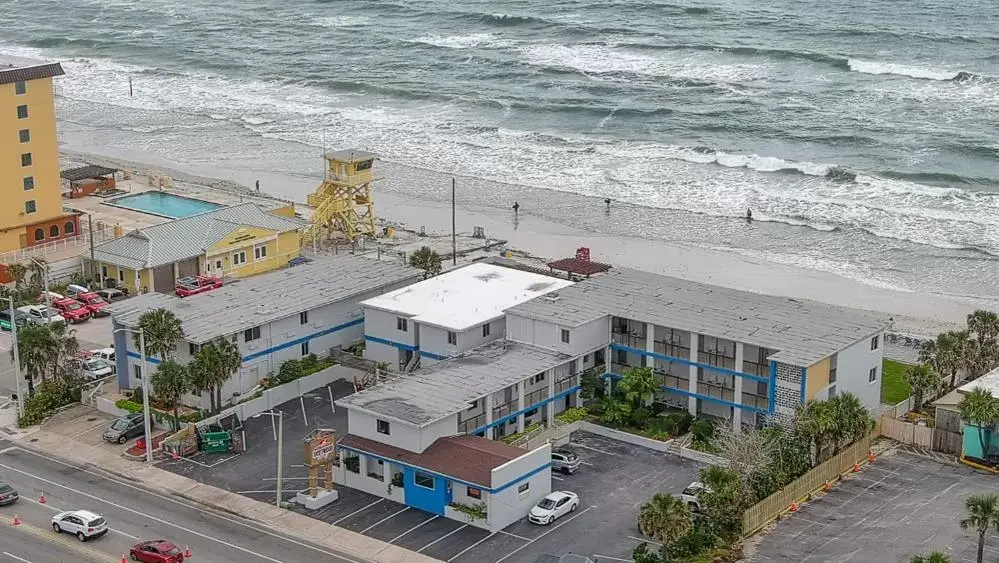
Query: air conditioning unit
x,y
553,296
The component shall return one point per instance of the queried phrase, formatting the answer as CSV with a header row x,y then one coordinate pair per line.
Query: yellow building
x,y
32,211
232,242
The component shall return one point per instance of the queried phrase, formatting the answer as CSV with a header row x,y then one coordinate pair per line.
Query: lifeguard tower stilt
x,y
344,208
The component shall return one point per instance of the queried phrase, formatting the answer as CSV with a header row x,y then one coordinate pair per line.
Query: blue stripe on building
x,y
687,393
525,409
773,387
432,356
399,345
804,373
683,361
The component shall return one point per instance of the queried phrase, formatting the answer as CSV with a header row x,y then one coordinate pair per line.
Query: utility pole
x,y
454,236
280,456
145,395
17,358
93,264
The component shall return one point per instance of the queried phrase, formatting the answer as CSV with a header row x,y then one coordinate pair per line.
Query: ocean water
x,y
863,135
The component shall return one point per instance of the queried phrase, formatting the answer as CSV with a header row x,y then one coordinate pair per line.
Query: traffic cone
x,y
16,522
175,455
870,458
41,499
825,487
187,551
794,507
123,559
856,467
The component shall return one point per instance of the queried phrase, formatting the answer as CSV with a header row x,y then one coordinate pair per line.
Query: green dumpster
x,y
216,442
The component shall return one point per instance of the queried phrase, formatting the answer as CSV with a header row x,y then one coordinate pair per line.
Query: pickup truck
x,y
71,310
94,302
193,285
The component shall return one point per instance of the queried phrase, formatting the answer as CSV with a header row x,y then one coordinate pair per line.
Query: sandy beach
x,y
916,314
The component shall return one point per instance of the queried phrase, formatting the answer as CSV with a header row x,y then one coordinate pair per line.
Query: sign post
x,y
320,453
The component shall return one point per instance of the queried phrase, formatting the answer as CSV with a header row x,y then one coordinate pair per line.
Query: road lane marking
x,y
193,505
462,552
75,545
454,531
557,526
358,511
413,528
389,517
54,509
12,556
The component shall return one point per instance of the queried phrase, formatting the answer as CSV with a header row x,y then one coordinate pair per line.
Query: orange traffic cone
x,y
16,522
856,467
123,559
175,455
187,551
870,458
794,507
41,499
825,487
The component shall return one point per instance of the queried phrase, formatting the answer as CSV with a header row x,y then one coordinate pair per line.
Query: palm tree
x,y
983,513
18,273
932,557
981,409
815,420
851,419
170,381
664,518
639,385
162,330
923,381
35,346
200,370
984,324
39,270
427,260
945,354
229,360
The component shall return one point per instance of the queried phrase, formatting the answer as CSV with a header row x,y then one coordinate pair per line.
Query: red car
x,y
156,551
71,309
94,302
194,285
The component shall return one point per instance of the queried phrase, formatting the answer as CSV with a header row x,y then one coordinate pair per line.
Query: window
x,y
26,159
472,492
452,338
137,369
872,376
29,183
54,231
39,234
24,135
305,348
622,356
69,228
565,336
104,271
485,330
259,252
239,258
539,378
523,488
383,428
303,317
251,334
586,359
530,413
874,343
20,88
832,391
22,112
402,324
29,207
423,480
192,348
473,405
121,275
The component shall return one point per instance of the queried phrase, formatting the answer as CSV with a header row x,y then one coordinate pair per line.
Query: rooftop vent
x,y
553,296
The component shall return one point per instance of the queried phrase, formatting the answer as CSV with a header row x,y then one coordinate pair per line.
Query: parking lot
x,y
904,504
615,479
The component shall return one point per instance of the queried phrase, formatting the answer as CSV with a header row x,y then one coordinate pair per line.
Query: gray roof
x,y
265,298
803,331
442,389
187,237
351,155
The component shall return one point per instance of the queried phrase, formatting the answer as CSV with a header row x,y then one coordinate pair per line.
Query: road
x,y
133,513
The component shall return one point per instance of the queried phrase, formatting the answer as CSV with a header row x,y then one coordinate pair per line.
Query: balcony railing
x,y
751,400
567,383
535,397
470,424
504,410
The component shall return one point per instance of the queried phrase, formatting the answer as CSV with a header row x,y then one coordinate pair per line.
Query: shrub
x,y
678,423
397,479
48,397
476,511
700,538
136,395
130,406
703,431
574,414
290,371
352,464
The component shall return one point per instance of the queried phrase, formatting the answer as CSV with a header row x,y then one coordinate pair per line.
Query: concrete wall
x,y
853,369
548,335
509,505
400,435
383,325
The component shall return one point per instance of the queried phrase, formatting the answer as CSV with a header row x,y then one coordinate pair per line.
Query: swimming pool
x,y
164,204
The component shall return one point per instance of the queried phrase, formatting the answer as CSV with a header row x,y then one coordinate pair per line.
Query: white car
x,y
83,524
553,507
690,495
92,368
106,354
40,314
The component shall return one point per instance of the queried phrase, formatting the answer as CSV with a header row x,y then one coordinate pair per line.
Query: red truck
x,y
94,302
194,285
71,309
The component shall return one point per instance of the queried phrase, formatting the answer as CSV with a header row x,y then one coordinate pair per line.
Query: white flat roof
x,y
466,297
988,382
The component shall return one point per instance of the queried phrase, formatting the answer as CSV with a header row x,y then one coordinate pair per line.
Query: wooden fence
x,y
922,436
768,509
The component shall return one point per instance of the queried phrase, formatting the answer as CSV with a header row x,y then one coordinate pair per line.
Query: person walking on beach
x,y
258,186
607,201
749,215
516,209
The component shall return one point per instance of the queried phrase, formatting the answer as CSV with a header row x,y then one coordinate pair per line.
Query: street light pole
x,y
280,456
144,375
17,358
48,296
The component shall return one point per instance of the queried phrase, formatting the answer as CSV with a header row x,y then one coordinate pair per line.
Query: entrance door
x,y
425,492
187,267
163,280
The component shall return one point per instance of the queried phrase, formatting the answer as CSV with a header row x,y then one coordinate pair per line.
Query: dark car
x,y
7,494
156,551
125,428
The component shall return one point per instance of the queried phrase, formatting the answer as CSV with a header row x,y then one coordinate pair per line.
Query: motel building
x,y
274,317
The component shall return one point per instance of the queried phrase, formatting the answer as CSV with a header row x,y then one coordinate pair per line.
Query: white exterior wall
x,y
433,339
384,325
853,366
400,435
509,505
582,339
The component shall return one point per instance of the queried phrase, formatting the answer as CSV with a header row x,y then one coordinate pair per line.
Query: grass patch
x,y
894,389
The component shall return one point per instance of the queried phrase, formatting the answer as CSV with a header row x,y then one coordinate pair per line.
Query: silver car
x,y
565,461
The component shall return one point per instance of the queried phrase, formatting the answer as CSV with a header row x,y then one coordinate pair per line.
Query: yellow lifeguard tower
x,y
343,203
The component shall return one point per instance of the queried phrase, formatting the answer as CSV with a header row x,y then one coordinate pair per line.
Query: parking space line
x,y
358,511
596,450
557,478
505,557
102,423
644,540
598,556
16,558
462,552
586,463
515,535
454,531
413,528
389,517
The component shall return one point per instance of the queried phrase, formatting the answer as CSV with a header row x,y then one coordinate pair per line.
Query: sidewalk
x,y
282,521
